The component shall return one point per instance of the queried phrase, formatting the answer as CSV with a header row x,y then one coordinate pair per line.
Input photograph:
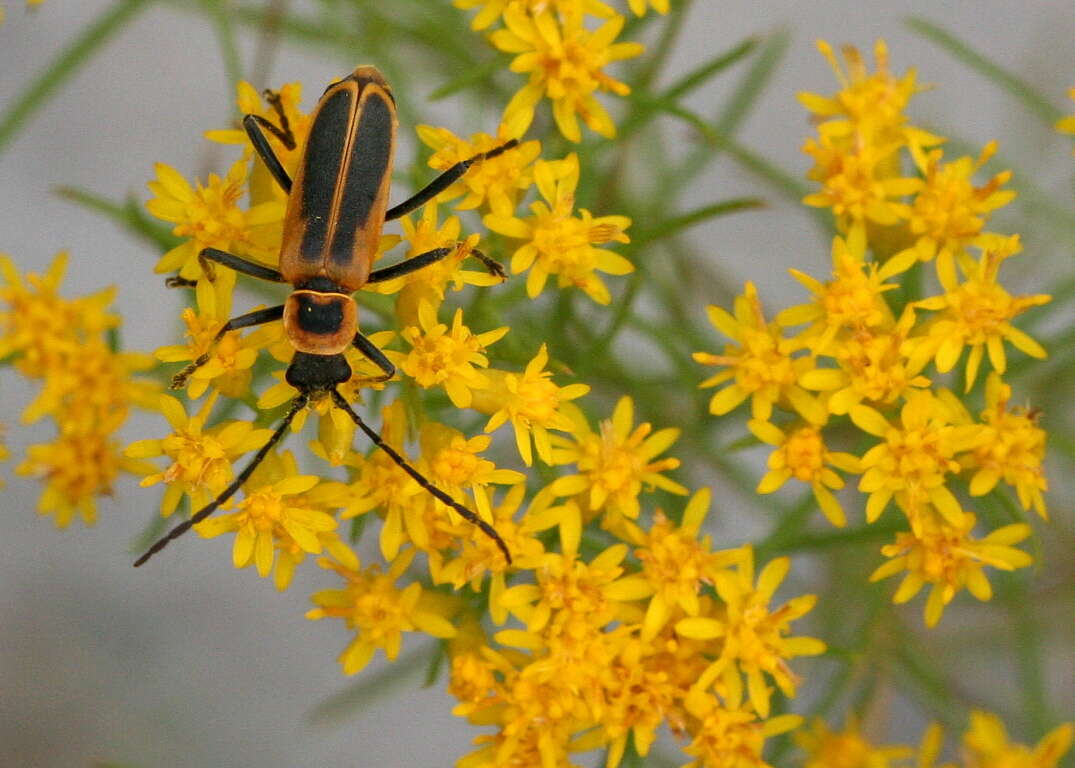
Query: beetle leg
x,y
257,317
253,124
239,264
412,264
444,181
375,356
284,131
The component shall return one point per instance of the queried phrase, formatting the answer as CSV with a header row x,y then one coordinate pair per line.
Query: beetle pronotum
x,y
336,207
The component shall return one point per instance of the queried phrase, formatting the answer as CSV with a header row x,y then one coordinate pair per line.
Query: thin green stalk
x,y
221,17
1013,84
70,60
372,687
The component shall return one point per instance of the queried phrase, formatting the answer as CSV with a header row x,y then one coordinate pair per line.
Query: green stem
x,y
70,60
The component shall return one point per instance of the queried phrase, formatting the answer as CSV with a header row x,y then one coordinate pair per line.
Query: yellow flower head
x,y
976,313
531,401
730,735
380,612
614,463
201,458
758,362
1014,450
914,458
283,513
41,328
560,243
446,357
986,745
497,182
945,556
801,453
755,641
565,61
1067,124
230,359
210,217
848,748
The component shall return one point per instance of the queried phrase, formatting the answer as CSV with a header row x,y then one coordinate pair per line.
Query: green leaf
x,y
677,224
701,74
129,215
1014,85
475,76
70,60
372,686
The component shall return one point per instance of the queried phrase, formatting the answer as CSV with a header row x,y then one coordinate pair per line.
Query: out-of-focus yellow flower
x,y
560,243
230,359
986,745
848,748
729,734
759,363
755,641
491,10
614,463
975,313
1014,450
40,327
380,612
638,7
1067,124
210,217
446,357
941,552
201,457
565,61
801,453
281,520
531,401
497,182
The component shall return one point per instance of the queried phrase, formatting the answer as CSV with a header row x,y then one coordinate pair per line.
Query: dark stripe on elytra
x,y
369,162
324,154
318,316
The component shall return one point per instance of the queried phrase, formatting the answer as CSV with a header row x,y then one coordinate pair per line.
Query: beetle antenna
x,y
419,478
296,405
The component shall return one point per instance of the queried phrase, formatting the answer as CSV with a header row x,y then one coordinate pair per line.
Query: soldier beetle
x,y
336,208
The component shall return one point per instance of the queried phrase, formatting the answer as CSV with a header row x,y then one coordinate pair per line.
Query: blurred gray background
x,y
190,663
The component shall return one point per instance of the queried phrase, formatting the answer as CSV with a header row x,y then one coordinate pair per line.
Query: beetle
x,y
336,207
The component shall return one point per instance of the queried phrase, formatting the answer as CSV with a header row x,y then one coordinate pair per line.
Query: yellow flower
x,y
986,745
379,611
201,457
801,453
943,554
497,182
852,300
845,749
676,563
430,283
283,513
446,357
531,402
914,458
491,10
759,363
230,359
565,62
755,641
730,735
614,463
210,217
262,186
976,313
41,328
639,6
948,212
452,463
1014,450
77,467
560,243
1067,124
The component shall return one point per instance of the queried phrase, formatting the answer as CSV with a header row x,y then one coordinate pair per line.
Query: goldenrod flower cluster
x,y
564,59
861,354
87,387
614,619
985,744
